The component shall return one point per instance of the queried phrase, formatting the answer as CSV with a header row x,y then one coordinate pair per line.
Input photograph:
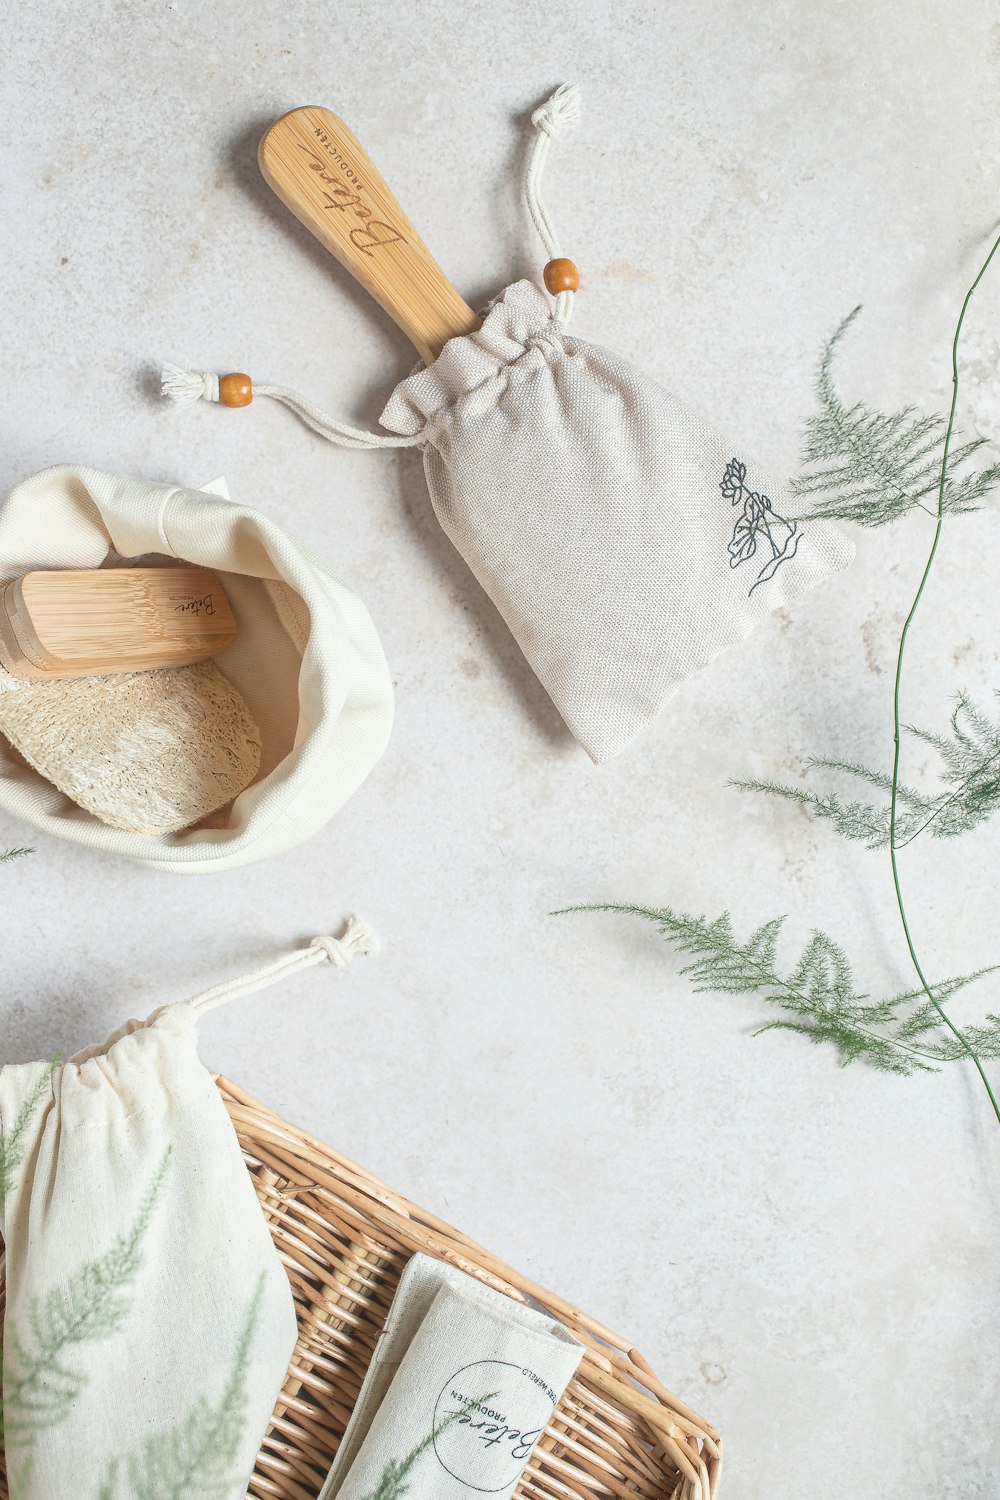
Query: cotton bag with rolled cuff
x,y
623,539
149,1321
107,690
275,733
462,1384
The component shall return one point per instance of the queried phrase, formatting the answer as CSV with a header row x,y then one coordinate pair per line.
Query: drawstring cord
x,y
560,112
185,387
323,949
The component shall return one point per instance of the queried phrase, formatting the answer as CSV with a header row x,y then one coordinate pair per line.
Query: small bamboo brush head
x,y
84,622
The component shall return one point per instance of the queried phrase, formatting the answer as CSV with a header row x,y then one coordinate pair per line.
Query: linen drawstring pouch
x,y
462,1383
307,659
149,1322
625,541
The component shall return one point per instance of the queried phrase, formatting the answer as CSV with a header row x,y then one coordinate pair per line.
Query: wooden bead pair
x,y
560,275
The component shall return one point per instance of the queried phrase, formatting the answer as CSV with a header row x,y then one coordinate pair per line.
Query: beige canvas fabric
x,y
149,1321
623,539
462,1383
307,660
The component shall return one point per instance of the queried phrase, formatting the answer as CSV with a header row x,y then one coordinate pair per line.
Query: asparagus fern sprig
x,y
968,792
7,856
818,996
872,467
969,1043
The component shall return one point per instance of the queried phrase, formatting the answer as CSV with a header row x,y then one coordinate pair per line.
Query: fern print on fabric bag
x,y
149,1320
13,1146
40,1385
757,526
397,1474
419,1424
194,1459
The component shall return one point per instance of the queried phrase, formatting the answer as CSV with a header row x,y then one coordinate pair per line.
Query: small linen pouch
x,y
462,1384
149,1322
624,540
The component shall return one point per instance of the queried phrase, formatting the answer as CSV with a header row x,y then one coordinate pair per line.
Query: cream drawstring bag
x,y
624,540
149,1322
307,659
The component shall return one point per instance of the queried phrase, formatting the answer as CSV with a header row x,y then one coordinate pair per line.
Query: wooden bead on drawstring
x,y
561,275
235,390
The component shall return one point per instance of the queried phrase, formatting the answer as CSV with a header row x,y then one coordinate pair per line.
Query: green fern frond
x,y
109,1488
8,855
969,791
858,821
17,1475
396,1475
818,997
12,1146
39,1386
193,1460
873,467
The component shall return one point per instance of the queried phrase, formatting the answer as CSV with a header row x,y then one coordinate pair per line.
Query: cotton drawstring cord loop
x,y
185,387
328,427
323,949
559,113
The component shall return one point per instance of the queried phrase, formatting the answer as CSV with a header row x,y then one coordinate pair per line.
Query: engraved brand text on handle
x,y
192,605
371,234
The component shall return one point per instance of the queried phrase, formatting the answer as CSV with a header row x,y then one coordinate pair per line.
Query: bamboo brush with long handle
x,y
322,173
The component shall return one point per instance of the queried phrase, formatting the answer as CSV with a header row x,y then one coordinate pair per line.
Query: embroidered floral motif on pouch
x,y
758,524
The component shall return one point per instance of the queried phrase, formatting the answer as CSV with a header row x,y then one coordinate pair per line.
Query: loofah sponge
x,y
150,752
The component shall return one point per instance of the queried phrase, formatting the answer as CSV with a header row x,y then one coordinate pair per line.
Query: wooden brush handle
x,y
320,171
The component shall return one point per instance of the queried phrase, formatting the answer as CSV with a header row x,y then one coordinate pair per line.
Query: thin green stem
x,y
896,720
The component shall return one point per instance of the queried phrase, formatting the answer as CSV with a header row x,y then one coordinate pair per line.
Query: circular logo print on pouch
x,y
487,1419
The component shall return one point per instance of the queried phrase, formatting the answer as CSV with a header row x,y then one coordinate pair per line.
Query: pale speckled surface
x,y
809,1255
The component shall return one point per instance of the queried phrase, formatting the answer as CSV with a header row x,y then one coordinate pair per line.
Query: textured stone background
x,y
806,1254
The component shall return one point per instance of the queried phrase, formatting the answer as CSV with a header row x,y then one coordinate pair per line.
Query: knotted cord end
x,y
560,112
188,386
358,938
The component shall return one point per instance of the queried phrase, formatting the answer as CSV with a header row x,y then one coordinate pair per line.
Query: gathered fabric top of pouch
x,y
127,1072
518,325
131,1054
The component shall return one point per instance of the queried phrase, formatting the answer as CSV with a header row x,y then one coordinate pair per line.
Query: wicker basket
x,y
345,1238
